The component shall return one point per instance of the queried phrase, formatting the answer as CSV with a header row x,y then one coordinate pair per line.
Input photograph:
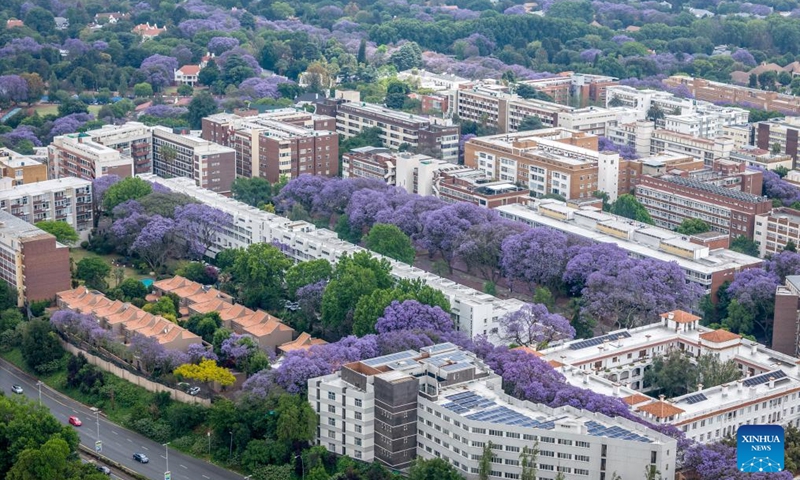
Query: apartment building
x,y
775,229
704,149
614,365
756,157
550,161
77,155
65,199
491,105
704,258
443,402
631,171
133,139
23,169
570,88
31,261
276,144
125,321
786,326
671,199
778,135
473,312
429,135
424,79
209,164
462,184
724,93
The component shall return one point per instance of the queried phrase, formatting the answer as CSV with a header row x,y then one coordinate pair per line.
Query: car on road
x,y
193,391
16,389
103,469
75,421
141,458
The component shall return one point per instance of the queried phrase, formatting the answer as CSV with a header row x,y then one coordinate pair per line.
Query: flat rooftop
x,y
15,228
44,187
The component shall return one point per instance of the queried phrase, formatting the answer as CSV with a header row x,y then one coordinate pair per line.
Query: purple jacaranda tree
x,y
309,298
75,47
13,89
198,352
333,198
480,247
633,292
533,325
127,208
407,212
620,39
246,57
717,461
99,45
330,12
742,55
81,326
20,46
237,348
218,45
300,190
261,384
777,188
783,264
442,228
216,22
412,315
148,350
515,10
159,69
535,257
626,152
364,207
401,340
69,124
156,241
101,184
22,133
165,111
182,54
127,228
256,88
589,55
754,290
587,259
198,225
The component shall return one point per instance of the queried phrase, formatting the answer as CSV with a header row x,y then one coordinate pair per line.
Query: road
x,y
119,444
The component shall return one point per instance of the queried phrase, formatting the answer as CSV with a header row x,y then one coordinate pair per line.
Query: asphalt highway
x,y
118,444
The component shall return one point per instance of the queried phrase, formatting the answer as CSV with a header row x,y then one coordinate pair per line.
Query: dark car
x,y
103,469
141,458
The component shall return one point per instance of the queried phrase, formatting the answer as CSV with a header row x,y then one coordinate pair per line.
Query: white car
x,y
16,389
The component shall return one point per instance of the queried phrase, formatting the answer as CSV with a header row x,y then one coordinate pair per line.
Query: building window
x,y
331,396
358,402
331,409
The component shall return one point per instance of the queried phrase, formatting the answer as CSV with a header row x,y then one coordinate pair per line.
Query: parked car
x,y
193,391
75,421
141,458
103,469
16,389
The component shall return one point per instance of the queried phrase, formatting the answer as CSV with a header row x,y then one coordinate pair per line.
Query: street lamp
x,y
97,419
209,442
230,452
302,465
39,384
166,450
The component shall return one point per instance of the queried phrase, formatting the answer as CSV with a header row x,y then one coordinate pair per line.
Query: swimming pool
x,y
147,282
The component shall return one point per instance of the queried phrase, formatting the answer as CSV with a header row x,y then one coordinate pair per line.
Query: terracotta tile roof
x,y
267,328
555,363
528,350
660,409
680,316
719,336
259,316
115,307
635,399
188,290
204,296
303,342
190,69
125,316
171,284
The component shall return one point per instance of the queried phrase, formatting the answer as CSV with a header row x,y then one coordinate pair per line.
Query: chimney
x,y
725,390
616,389
699,387
753,349
739,385
771,382
586,379
661,397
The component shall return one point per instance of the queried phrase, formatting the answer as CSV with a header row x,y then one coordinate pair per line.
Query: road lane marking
x,y
205,476
145,447
184,466
115,433
128,439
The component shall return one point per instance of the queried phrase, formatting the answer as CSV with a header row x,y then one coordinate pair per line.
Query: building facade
x,y
65,199
775,229
176,154
132,140
31,261
23,169
443,402
77,155
778,135
718,92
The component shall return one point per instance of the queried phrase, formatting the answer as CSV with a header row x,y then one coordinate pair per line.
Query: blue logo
x,y
759,448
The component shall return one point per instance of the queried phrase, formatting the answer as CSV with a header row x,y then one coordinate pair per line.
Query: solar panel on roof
x,y
696,398
592,342
763,378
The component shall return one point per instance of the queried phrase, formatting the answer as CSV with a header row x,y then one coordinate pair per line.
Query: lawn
x,y
79,254
47,109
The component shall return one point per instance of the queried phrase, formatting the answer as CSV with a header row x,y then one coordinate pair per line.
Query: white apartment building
x,y
775,229
704,265
614,364
473,312
77,155
443,402
756,157
432,81
67,199
209,164
132,139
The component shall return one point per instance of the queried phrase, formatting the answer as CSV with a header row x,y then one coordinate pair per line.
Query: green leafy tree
x,y
204,325
63,231
130,188
434,469
306,273
40,20
164,307
40,347
627,206
389,240
711,371
486,462
693,226
254,191
744,245
790,247
202,105
8,296
527,460
344,231
740,319
143,90
297,422
93,271
781,171
196,272
209,74
258,273
396,94
10,318
530,123
406,57
273,472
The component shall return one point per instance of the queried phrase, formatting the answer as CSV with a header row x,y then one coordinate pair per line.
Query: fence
x,y
124,374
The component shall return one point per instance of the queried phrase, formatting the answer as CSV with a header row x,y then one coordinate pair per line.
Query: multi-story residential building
x,y
77,155
724,93
704,258
276,144
428,135
550,161
490,105
570,88
671,199
778,135
775,229
176,154
614,365
756,157
786,325
742,135
443,402
424,79
463,184
473,312
704,149
631,171
31,261
65,199
133,139
23,169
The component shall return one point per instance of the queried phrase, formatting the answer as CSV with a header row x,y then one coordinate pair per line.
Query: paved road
x,y
119,444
